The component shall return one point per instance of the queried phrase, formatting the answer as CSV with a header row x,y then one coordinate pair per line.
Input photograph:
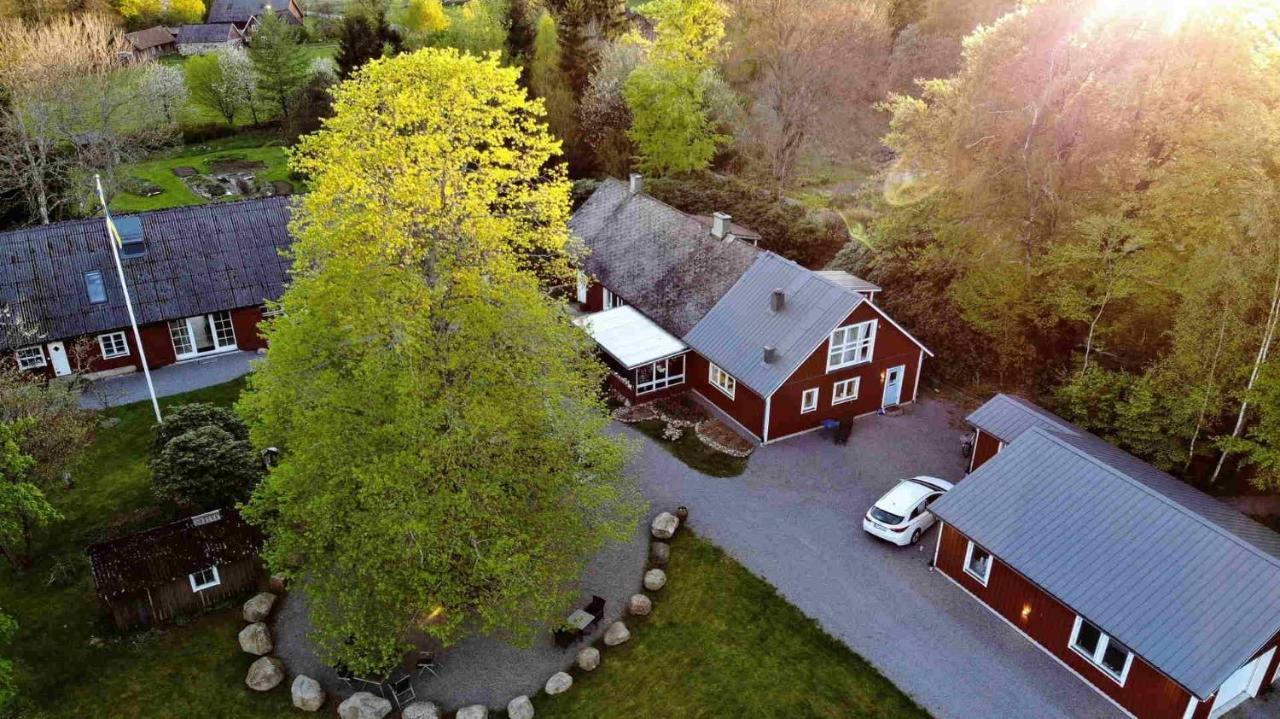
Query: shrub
x,y
206,467
187,417
784,227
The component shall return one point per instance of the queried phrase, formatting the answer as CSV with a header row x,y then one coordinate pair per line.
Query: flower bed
x,y
680,410
720,436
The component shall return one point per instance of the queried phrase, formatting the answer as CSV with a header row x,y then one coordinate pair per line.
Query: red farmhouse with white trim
x,y
1163,599
198,276
683,302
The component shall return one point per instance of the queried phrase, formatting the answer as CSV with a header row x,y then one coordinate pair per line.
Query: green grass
x,y
722,643
264,148
690,450
183,671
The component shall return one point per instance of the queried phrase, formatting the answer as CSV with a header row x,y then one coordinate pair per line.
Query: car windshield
x,y
887,517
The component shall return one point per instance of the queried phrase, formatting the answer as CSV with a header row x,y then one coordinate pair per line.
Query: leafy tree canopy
x,y
443,460
23,507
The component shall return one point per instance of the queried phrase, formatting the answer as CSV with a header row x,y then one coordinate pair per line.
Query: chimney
x,y
720,226
636,184
770,354
777,300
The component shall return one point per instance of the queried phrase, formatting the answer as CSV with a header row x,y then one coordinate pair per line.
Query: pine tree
x,y
578,57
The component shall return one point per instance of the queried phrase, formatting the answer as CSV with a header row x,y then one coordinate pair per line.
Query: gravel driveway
x,y
794,518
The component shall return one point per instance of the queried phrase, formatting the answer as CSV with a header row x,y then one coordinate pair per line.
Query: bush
x,y
188,417
785,228
197,134
206,467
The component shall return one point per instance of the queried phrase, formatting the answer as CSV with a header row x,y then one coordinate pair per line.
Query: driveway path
x,y
170,379
794,518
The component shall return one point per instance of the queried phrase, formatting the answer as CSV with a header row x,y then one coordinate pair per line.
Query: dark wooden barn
x,y
179,568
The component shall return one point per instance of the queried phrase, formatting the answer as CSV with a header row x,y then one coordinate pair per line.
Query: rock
x,y
475,711
640,605
660,552
256,639
259,607
616,634
559,683
655,579
421,710
588,659
265,674
363,705
276,583
307,694
664,525
520,708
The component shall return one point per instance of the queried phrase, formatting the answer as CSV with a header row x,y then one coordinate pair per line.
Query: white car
x,y
902,515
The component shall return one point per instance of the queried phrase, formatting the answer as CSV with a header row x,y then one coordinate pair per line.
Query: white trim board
x,y
1038,645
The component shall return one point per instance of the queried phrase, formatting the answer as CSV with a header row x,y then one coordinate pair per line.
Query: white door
x,y
1241,686
58,356
582,288
893,385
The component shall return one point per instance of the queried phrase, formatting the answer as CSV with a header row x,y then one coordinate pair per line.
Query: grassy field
x,y
722,643
257,147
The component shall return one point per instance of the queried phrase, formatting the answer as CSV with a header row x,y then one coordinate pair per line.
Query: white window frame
x,y
838,397
611,300
968,558
721,380
181,330
655,382
102,285
117,339
809,401
29,362
201,586
1104,641
851,339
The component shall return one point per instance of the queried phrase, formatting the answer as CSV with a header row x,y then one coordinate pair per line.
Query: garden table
x,y
580,619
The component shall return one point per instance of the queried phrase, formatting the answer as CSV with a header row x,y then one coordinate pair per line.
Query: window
x,y
851,345
201,334
977,563
809,400
31,357
181,337
1112,657
224,334
661,374
204,579
611,300
845,390
94,286
722,380
113,345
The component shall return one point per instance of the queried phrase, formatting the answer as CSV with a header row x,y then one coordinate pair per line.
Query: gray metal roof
x,y
735,332
1188,583
657,258
1006,416
847,281
210,33
198,260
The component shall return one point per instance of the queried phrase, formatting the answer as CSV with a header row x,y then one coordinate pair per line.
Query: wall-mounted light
x,y
1026,612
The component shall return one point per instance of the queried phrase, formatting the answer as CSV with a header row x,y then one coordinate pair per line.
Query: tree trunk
x,y
1260,359
1204,406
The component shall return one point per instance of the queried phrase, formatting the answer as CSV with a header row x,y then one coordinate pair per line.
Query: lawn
x,y
61,671
722,643
265,148
693,452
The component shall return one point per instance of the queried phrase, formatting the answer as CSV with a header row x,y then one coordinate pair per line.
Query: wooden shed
x,y
179,568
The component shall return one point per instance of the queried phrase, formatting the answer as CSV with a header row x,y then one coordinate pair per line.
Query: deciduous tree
x,y
23,507
441,432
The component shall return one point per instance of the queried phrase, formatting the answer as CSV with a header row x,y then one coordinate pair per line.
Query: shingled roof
x,y
208,33
149,38
242,11
1142,555
158,556
198,260
659,259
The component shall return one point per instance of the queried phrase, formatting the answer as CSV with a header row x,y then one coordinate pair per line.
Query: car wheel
x,y
915,536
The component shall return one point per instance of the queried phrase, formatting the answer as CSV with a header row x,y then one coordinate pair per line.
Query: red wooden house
x,y
1162,598
198,276
778,348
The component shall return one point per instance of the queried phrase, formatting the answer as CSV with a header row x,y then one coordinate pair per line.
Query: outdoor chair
x,y
427,663
402,690
596,609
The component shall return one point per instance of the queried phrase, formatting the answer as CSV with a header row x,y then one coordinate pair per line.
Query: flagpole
x,y
113,240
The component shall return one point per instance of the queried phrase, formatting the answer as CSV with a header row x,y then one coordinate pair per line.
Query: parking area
x,y
794,518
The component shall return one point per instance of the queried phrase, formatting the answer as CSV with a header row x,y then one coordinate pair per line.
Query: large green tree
x,y
23,507
279,60
1097,189
443,460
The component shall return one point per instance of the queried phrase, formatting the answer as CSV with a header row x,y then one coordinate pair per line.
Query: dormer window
x,y
131,238
95,287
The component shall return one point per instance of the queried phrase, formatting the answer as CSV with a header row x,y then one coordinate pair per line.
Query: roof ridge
x,y
687,215
1026,405
1059,439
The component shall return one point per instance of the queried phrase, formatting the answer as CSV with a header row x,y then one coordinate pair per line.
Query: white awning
x,y
630,337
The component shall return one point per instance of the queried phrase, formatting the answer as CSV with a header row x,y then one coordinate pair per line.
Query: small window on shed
x,y
94,285
977,563
204,579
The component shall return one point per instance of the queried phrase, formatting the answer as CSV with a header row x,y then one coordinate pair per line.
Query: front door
x,y
58,356
893,385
